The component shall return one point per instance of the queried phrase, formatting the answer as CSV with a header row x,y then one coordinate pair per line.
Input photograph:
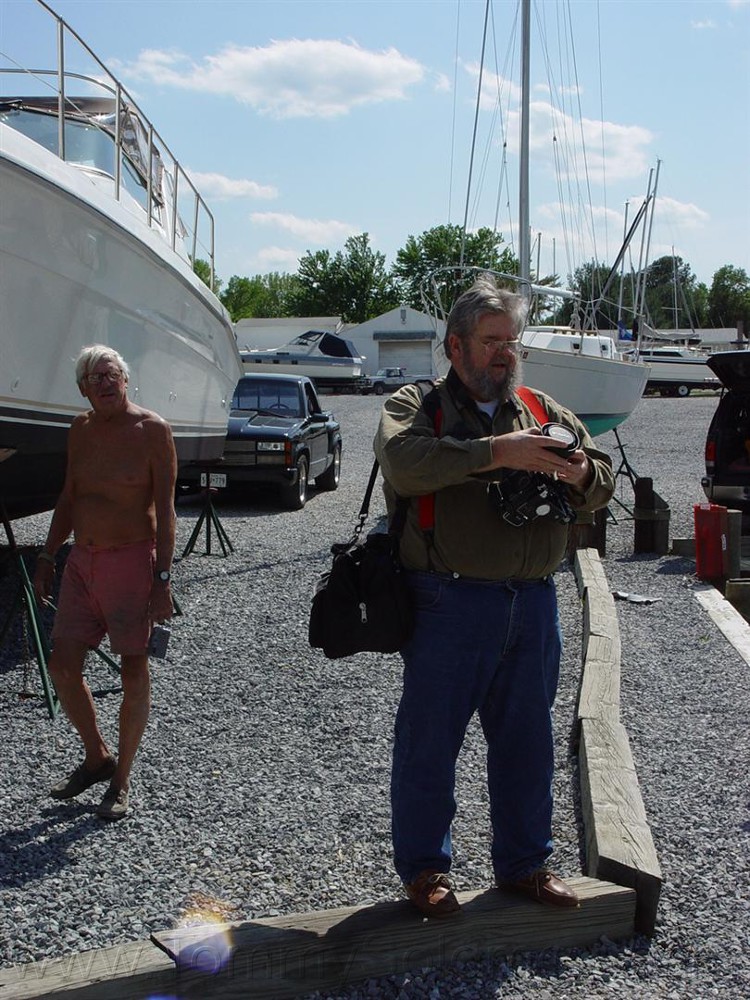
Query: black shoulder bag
x,y
363,602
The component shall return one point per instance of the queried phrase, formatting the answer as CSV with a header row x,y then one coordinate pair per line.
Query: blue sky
x,y
303,123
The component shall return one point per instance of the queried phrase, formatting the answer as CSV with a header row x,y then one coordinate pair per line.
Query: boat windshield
x,y
267,397
89,144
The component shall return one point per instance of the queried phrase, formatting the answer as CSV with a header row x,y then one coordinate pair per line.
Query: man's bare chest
x,y
111,458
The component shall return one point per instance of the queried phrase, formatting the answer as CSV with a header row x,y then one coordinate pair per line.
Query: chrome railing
x,y
162,197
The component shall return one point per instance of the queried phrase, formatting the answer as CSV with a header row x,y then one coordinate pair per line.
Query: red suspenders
x,y
426,503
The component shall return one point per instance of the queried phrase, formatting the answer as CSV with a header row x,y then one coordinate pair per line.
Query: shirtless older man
x,y
118,500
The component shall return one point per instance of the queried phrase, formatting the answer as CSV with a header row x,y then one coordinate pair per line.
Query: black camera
x,y
521,497
157,645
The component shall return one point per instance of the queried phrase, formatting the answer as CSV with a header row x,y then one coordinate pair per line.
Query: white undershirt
x,y
488,408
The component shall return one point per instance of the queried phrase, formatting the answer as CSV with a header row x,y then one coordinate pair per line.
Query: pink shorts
x,y
106,591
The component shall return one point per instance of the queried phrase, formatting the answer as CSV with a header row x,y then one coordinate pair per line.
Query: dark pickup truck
x,y
384,380
279,434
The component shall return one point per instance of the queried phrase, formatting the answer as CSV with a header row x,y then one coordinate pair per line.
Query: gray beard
x,y
488,389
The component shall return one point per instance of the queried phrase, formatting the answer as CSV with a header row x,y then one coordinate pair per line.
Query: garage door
x,y
414,356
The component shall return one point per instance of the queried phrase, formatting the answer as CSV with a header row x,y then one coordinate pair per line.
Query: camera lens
x,y
564,436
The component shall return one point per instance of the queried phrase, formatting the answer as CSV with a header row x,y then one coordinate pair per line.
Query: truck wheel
x,y
379,389
330,479
683,390
294,496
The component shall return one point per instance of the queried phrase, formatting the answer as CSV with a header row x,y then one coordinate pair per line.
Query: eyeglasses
x,y
95,378
492,344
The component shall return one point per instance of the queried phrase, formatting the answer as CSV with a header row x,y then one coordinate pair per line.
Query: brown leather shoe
x,y
544,887
432,894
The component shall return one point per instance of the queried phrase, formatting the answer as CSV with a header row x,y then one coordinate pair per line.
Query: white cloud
x,y
295,78
702,25
277,259
680,214
554,133
220,187
322,232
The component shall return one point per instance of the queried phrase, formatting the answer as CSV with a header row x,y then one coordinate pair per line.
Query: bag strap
x,y
364,510
534,404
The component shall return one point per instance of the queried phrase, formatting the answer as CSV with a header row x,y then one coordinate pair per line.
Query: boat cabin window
x,y
278,397
86,144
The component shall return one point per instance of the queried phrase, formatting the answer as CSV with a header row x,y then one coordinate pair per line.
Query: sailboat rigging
x,y
582,369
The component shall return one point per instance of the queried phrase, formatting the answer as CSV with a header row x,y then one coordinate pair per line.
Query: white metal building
x,y
404,338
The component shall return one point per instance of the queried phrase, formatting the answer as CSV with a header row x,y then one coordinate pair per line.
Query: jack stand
x,y
210,517
27,598
624,470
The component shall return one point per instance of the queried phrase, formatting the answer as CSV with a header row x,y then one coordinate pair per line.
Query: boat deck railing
x,y
171,203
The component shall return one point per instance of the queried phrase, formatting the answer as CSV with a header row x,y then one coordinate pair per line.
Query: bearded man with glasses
x,y
118,501
487,634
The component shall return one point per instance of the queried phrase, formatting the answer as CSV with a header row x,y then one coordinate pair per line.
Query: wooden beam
x,y
125,972
283,957
619,845
599,691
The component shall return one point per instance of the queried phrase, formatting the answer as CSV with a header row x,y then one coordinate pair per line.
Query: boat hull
x,y
76,268
602,392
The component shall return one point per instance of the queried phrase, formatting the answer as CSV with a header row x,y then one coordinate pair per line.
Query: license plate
x,y
214,480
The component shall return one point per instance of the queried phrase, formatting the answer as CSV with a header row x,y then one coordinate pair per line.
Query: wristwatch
x,y
164,575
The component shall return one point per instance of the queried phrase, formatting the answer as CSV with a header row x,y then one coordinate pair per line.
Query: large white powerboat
x,y
329,360
93,249
676,370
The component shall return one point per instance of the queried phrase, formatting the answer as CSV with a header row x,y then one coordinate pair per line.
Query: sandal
x,y
82,778
432,894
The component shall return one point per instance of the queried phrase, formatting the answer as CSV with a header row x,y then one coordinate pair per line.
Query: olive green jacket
x,y
470,537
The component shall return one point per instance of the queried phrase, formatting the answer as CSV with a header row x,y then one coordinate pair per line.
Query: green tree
x,y
671,294
265,295
729,298
430,264
203,269
353,283
588,282
439,250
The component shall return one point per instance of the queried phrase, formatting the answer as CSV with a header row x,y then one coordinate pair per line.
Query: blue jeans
x,y
486,647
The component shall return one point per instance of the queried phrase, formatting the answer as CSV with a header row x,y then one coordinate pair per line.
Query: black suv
x,y
727,479
279,434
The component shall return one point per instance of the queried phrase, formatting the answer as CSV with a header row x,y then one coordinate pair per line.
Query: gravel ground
x,y
261,787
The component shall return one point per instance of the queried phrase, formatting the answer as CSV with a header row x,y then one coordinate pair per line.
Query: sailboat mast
x,y
524,248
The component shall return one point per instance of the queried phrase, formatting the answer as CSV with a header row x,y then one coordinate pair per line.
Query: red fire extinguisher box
x,y
711,551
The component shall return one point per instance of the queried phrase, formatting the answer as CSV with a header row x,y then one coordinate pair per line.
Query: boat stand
x,y
210,519
26,599
624,471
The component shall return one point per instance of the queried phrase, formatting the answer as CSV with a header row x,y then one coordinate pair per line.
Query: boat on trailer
x,y
94,249
329,360
676,370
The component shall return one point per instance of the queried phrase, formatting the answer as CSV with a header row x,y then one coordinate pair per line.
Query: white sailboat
x,y
93,249
582,369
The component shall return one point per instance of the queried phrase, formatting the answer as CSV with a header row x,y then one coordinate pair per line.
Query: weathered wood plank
x,y
328,949
599,694
588,570
283,957
125,972
734,627
599,690
619,845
